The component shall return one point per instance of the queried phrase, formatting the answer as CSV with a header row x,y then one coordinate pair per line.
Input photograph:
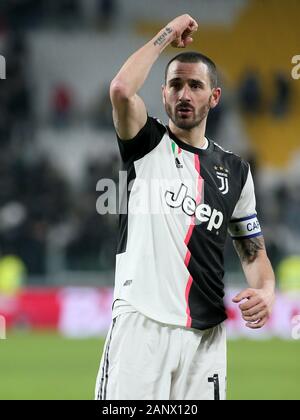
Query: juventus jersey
x,y
177,206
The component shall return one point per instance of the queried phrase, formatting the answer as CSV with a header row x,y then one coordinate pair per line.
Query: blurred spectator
x,y
64,13
100,168
94,246
102,110
68,8
23,14
217,115
15,102
250,93
5,127
31,245
213,121
62,105
291,208
106,10
282,95
41,200
95,243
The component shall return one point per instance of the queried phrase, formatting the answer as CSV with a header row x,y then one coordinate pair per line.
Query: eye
x,y
196,85
175,85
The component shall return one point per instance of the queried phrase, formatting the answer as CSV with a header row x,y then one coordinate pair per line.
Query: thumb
x,y
245,294
188,41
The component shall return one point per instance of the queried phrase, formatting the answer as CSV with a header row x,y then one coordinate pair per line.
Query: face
x,y
188,95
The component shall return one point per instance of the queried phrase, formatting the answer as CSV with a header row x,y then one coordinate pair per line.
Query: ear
x,y
215,97
163,92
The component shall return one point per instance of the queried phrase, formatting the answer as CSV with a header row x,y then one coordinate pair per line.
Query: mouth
x,y
185,111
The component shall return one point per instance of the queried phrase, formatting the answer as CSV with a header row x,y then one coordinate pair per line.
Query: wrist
x,y
164,37
269,287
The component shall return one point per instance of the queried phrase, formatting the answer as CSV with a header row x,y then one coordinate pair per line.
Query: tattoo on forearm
x,y
162,38
247,249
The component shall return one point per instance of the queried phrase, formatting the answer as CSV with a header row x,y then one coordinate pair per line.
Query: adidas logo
x,y
127,283
178,164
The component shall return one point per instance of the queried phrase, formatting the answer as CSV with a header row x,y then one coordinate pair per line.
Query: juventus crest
x,y
222,175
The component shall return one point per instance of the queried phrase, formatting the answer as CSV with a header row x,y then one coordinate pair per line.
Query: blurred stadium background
x,y
57,142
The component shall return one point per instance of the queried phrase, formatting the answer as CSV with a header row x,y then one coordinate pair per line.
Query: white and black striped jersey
x,y
178,204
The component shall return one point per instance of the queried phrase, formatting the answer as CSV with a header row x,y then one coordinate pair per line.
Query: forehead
x,y
188,71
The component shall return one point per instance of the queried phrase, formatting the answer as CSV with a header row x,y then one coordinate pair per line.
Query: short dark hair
x,y
196,57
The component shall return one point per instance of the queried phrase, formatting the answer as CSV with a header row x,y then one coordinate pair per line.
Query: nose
x,y
184,94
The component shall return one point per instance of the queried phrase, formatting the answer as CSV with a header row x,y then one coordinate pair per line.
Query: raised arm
x,y
129,111
260,276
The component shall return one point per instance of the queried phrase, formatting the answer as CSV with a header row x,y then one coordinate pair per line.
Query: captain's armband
x,y
246,227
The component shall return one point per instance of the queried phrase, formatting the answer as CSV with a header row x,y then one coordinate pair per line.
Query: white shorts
x,y
147,360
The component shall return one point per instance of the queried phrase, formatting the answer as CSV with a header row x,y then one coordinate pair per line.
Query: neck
x,y
194,137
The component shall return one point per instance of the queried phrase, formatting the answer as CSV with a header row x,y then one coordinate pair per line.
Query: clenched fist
x,y
257,308
183,27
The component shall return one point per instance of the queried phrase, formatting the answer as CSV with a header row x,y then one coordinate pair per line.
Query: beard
x,y
190,121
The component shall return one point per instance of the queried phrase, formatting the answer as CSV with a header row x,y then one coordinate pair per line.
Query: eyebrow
x,y
179,79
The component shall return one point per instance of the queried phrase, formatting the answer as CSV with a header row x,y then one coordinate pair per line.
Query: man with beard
x,y
167,339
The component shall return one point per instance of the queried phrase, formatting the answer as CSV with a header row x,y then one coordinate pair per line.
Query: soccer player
x,y
167,339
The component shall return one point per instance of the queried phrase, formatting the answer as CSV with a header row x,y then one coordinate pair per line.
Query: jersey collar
x,y
189,148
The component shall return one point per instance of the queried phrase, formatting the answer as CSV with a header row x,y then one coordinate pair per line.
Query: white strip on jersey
x,y
244,222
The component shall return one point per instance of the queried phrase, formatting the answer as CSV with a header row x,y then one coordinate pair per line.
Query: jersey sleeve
x,y
244,222
145,141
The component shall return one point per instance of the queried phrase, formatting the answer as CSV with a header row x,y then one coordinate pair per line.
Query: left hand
x,y
258,307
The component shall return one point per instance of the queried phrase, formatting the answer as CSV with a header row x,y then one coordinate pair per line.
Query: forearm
x,y
260,296
255,262
259,273
135,70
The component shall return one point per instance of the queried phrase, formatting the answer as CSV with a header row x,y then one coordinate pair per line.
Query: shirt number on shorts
x,y
215,380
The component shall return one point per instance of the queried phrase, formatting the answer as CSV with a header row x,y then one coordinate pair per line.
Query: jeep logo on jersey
x,y
222,174
202,212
